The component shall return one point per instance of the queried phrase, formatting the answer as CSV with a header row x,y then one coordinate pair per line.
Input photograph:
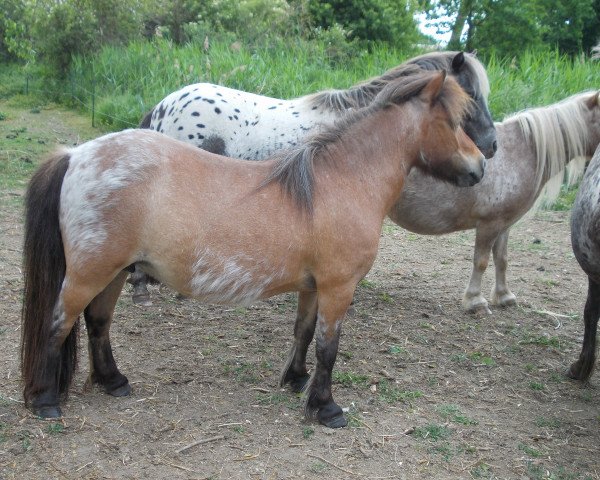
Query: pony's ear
x,y
458,61
431,91
594,100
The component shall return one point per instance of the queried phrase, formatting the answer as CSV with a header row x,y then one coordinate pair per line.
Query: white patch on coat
x,y
323,331
58,314
234,280
87,190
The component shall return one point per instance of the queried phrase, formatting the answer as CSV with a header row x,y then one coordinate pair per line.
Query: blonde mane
x,y
559,133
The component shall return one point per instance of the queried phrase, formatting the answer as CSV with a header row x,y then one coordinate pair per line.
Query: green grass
x,y
453,414
396,350
476,359
286,399
349,379
541,340
538,386
481,470
364,283
3,434
247,372
565,200
391,394
55,428
129,80
544,422
317,467
536,79
385,297
432,432
529,451
537,471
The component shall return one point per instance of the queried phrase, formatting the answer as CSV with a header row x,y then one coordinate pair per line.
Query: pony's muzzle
x,y
474,174
490,151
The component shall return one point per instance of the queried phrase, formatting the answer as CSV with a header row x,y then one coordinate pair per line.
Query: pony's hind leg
x,y
294,372
583,367
332,307
98,317
56,359
501,295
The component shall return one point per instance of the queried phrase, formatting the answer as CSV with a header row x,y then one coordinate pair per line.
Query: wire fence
x,y
80,95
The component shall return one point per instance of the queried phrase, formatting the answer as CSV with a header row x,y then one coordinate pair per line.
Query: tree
x,y
390,21
508,26
591,28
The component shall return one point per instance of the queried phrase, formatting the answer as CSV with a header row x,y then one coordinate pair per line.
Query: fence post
x,y
93,100
72,75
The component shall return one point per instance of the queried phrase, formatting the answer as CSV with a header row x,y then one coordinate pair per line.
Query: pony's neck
x,y
372,159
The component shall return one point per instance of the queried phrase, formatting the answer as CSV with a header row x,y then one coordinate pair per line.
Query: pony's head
x,y
592,104
447,152
471,76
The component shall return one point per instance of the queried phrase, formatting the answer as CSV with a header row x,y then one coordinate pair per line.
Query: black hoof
x,y
142,299
121,391
332,416
336,422
48,412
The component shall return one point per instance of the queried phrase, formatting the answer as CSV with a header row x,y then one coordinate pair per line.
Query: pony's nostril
x,y
495,146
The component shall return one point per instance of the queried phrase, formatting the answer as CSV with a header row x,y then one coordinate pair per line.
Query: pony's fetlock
x,y
297,382
581,369
117,386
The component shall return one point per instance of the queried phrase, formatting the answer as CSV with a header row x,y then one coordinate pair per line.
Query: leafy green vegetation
x,y
391,394
432,432
453,414
349,379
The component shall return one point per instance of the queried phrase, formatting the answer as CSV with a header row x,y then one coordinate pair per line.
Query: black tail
x,y
145,123
44,271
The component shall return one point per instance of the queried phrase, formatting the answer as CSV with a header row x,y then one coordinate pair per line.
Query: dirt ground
x,y
431,391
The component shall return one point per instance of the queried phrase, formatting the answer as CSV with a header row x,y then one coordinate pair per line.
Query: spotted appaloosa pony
x,y
210,227
585,238
252,127
535,146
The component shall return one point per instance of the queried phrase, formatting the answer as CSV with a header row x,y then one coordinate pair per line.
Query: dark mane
x,y
361,95
293,168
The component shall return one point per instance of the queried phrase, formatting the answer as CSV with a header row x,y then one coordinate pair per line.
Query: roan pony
x,y
253,127
226,230
585,238
535,146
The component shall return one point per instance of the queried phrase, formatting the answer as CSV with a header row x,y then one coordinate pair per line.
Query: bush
x,y
368,20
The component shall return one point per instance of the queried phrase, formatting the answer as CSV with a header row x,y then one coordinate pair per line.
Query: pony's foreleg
x,y
139,280
332,307
582,368
294,372
473,300
98,317
501,295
